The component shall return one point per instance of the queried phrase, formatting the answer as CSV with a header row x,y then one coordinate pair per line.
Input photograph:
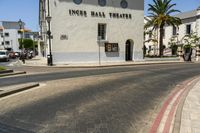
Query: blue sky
x,y
27,10
182,5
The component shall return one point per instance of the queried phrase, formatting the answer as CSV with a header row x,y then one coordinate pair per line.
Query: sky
x,y
27,10
182,5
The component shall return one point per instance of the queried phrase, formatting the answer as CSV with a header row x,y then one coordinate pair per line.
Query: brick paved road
x,y
111,100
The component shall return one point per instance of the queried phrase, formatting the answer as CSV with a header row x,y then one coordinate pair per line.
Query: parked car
x,y
4,55
12,55
17,54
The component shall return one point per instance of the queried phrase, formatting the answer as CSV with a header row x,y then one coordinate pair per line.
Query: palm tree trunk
x,y
161,41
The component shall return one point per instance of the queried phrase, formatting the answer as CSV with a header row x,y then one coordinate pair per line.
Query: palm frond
x,y
172,11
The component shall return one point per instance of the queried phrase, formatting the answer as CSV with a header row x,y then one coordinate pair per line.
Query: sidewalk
x,y
190,121
41,61
180,112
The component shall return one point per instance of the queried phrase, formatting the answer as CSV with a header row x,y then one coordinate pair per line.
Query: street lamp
x,y
49,57
20,28
99,42
22,45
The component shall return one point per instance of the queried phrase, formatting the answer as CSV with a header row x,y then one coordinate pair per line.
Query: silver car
x,y
4,55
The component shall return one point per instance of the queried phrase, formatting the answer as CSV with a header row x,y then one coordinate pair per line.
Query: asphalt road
x,y
101,100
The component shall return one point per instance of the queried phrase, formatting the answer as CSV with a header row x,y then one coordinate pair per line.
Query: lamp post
x,y
22,45
48,19
20,28
49,57
99,42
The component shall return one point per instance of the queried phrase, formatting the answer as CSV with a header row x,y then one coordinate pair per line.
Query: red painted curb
x,y
173,109
158,119
171,113
160,115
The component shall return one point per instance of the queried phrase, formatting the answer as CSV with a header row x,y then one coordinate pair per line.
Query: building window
x,y
7,42
174,31
124,4
101,31
77,2
2,43
6,34
102,2
188,29
27,36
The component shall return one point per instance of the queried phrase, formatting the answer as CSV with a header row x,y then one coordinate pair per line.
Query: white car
x,y
4,55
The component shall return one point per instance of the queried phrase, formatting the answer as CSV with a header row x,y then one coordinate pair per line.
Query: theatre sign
x,y
83,13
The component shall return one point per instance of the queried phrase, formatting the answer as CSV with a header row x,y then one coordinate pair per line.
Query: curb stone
x,y
11,74
178,115
175,98
108,65
8,91
6,71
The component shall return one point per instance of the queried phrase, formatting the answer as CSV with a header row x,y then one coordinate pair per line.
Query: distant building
x,y
1,37
92,31
9,35
31,35
151,39
190,24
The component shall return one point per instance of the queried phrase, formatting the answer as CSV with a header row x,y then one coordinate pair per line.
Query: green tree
x,y
27,43
190,41
160,12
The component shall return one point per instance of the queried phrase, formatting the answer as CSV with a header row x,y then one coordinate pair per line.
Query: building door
x,y
129,53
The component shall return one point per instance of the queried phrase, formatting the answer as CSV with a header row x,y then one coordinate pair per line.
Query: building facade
x,y
9,36
85,31
1,37
190,24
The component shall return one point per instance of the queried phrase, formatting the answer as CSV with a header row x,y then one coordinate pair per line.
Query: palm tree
x,y
160,12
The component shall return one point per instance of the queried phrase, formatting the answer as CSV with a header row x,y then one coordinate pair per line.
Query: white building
x,y
190,24
151,39
9,36
1,37
92,31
